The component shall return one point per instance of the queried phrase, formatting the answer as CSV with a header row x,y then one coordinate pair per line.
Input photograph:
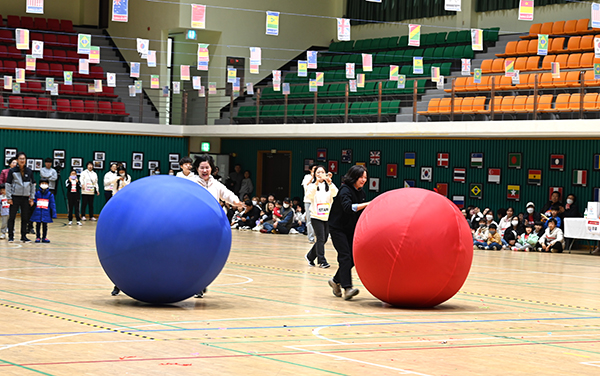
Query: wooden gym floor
x,y
269,313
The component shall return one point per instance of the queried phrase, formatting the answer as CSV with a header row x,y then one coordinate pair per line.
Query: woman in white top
x,y
121,181
109,178
305,182
89,186
320,192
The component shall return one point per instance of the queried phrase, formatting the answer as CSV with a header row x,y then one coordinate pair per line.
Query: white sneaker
x,y
70,223
293,231
93,218
84,218
79,224
2,236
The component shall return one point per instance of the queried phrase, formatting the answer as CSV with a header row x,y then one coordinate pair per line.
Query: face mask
x,y
489,217
254,202
492,232
569,201
170,173
482,225
123,175
44,186
514,223
530,210
286,206
73,177
157,173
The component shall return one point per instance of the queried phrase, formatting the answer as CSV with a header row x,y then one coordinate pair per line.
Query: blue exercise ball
x,y
162,239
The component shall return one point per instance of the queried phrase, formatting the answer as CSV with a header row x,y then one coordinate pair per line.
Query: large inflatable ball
x,y
162,239
412,248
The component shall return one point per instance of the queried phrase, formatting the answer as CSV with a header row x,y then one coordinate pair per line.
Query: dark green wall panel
x,y
579,154
39,144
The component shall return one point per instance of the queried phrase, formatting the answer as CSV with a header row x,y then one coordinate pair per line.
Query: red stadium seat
x,y
77,106
7,37
72,57
27,22
69,68
63,105
119,109
13,21
104,107
40,23
3,52
14,54
10,66
63,41
15,103
59,56
2,70
42,69
1,21
91,107
65,89
96,72
56,70
108,92
50,40
30,103
66,26
45,104
35,87
36,36
53,24
80,90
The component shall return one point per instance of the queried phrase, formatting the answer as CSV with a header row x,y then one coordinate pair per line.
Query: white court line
x,y
248,280
593,364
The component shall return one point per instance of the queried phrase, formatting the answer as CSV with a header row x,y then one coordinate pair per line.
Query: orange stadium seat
x,y
545,103
486,66
534,30
558,28
466,106
432,107
510,49
589,79
590,102
587,60
507,104
522,48
503,83
573,61
519,104
521,63
572,79
498,66
546,81
486,84
533,63
479,104
546,28
582,26
547,62
562,102
570,27
562,60
573,44
557,46
587,43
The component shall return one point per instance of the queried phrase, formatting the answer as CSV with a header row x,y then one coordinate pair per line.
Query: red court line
x,y
296,353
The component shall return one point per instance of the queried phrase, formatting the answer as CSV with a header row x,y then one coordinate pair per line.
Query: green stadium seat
x,y
391,107
354,109
445,69
356,59
428,39
458,52
468,52
245,112
379,58
428,54
438,54
392,43
452,37
295,110
323,109
335,46
491,35
336,61
370,88
440,38
463,37
338,109
406,70
420,86
348,46
384,73
403,41
389,57
448,53
309,110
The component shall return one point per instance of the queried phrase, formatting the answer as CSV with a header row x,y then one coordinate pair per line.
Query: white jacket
x,y
305,183
109,179
193,177
320,200
89,182
551,237
218,190
504,224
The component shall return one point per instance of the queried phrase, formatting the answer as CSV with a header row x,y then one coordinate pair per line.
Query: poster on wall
x,y
120,10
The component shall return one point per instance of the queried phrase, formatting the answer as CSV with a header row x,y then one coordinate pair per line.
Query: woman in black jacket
x,y
343,216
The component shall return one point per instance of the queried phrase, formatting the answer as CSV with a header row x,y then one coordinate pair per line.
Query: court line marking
x,y
593,364
248,280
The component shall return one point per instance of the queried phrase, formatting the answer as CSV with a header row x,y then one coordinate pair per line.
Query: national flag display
x,y
555,69
443,159
509,67
596,194
184,72
435,74
476,190
514,160
414,35
312,85
375,157
98,86
513,192
557,162
465,67
442,188
302,68
94,55
580,177
198,16
120,10
352,86
534,177
477,39
111,79
494,175
196,82
8,82
459,201
30,63
394,72
452,5
151,59
321,155
49,83
212,88
526,10
409,184
332,166
392,170
249,88
286,88
35,6
401,81
84,66
343,29
255,56
374,184
477,75
134,70
367,62
272,23
426,173
231,74
596,46
596,71
417,65
320,78
311,57
596,162
16,88
476,160
22,39
346,155
460,175
410,159
154,81
349,70
84,42
542,44
37,49
595,16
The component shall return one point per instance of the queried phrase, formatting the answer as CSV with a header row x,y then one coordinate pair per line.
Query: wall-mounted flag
x,y
477,39
410,159
332,166
460,175
417,65
198,16
392,170
184,72
349,70
580,177
513,192
557,162
94,55
442,188
375,157
84,66
443,159
534,177
465,67
22,39
134,70
542,44
409,184
426,173
37,49
367,62
272,23
526,10
459,201
68,78
595,16
35,6
154,81
321,155
476,190
374,184
302,68
343,29
414,35
212,88
311,57
494,175
514,160
120,10
346,155
476,160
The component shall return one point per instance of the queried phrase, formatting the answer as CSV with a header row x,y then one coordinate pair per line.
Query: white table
x,y
577,228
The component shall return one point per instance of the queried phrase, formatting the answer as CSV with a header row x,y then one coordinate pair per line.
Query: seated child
x,y
553,239
480,236
554,214
527,240
494,240
538,229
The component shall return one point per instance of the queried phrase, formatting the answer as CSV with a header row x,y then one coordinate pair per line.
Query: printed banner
x,y
8,82
465,69
98,86
477,39
360,80
394,70
343,29
111,79
312,85
349,70
212,88
184,72
84,66
231,75
37,49
311,57
94,55
16,89
401,81
49,83
35,6
151,59
597,47
272,23
22,39
286,88
134,70
555,70
352,86
120,10
276,75
142,47
198,16
367,62
414,35
84,42
526,10
132,90
197,82
255,56
68,77
138,87
176,87
154,81
595,16
254,69
596,71
320,78
20,75
542,44
250,88
509,68
302,68
30,63
435,74
417,65
452,5
477,75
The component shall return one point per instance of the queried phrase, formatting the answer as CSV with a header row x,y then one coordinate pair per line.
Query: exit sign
x,y
191,34
205,146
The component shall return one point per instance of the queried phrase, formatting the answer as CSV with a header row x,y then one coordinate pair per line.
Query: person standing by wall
x,y
47,172
20,192
246,187
109,179
305,182
89,187
73,197
12,163
344,214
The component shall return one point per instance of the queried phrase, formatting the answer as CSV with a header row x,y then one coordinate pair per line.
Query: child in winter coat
x,y
4,212
480,236
553,239
527,240
494,240
45,210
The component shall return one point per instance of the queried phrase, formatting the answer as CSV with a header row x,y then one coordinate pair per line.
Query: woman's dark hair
x,y
185,160
501,212
205,158
353,174
121,169
72,170
315,177
48,160
493,226
11,160
248,203
25,166
574,197
89,163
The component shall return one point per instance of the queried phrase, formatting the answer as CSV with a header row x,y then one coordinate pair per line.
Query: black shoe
x,y
310,263
115,291
25,240
32,231
11,240
324,265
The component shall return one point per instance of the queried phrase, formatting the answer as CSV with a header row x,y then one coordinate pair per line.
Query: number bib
x,y
323,209
42,203
5,204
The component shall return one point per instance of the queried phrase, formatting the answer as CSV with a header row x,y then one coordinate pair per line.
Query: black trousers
x,y
555,248
73,200
45,230
343,245
19,202
108,195
87,200
321,229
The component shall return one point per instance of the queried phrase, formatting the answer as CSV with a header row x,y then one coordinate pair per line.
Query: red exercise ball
x,y
412,248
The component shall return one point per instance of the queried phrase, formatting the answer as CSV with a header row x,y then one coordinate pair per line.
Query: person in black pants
x,y
73,197
20,192
344,214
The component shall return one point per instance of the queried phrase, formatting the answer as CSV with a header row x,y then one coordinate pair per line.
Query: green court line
x,y
25,367
35,262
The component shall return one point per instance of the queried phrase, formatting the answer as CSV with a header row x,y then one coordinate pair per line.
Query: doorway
x,y
104,13
274,173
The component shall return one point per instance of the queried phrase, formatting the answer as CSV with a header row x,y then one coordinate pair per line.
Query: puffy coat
x,y
45,207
